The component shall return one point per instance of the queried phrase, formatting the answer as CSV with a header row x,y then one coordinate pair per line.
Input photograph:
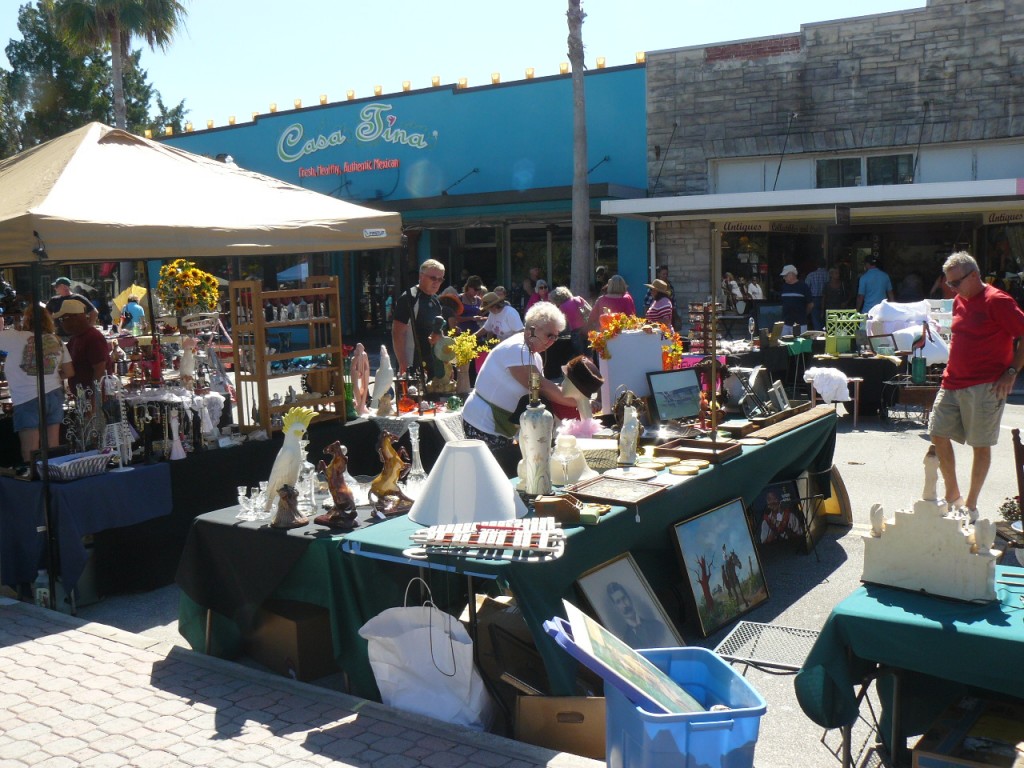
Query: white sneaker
x,y
970,514
954,506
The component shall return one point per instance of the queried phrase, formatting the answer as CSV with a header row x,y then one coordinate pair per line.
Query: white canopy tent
x,y
102,194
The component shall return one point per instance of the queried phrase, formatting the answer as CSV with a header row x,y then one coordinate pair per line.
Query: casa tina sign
x,y
376,124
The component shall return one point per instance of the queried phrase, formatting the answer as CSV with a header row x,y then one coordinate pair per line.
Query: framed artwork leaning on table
x,y
625,604
721,564
776,514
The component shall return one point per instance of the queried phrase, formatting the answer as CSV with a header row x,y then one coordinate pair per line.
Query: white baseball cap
x,y
788,269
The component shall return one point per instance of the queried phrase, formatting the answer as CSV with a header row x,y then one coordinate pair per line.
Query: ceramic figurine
x,y
444,351
877,517
360,379
383,381
288,515
177,450
342,511
629,436
187,366
384,408
385,494
290,395
984,535
289,459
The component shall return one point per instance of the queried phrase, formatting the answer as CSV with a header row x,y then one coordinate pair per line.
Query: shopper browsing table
x,y
985,354
502,320
89,350
796,299
505,379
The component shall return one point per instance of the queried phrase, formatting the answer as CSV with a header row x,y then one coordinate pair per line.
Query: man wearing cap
x,y
796,299
418,322
62,289
874,287
90,353
502,320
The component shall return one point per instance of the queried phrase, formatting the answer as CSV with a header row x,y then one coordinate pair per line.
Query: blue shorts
x,y
26,415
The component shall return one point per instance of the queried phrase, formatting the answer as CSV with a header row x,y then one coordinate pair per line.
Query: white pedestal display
x,y
633,355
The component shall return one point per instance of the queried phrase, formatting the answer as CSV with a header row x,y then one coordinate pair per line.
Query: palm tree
x,y
582,257
84,24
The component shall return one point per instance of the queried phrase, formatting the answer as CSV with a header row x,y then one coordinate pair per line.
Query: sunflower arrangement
x,y
614,324
467,346
184,288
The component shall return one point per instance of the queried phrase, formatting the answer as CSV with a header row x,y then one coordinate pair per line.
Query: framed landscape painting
x,y
722,565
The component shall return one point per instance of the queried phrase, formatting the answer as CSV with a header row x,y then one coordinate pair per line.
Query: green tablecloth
x,y
540,587
944,647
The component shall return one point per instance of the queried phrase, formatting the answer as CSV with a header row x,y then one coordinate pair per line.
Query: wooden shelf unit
x,y
255,336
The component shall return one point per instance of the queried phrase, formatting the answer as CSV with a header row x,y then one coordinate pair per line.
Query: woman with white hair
x,y
505,379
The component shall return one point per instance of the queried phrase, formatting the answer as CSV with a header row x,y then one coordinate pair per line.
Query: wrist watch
x,y
1012,371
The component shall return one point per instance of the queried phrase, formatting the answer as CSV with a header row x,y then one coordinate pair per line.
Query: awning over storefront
x,y
1000,198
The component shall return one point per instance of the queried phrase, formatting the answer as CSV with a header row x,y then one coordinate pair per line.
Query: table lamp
x,y
466,485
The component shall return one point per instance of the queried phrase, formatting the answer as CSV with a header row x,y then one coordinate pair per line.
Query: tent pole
x,y
53,552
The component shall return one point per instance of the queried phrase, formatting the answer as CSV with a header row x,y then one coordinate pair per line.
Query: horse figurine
x,y
385,494
287,515
342,512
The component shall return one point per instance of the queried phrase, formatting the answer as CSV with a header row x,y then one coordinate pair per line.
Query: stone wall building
x,y
911,124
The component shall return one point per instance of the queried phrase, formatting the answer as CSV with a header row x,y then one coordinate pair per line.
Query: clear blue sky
x,y
237,56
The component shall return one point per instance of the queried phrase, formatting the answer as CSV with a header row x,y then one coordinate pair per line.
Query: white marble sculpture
x,y
931,475
629,437
382,381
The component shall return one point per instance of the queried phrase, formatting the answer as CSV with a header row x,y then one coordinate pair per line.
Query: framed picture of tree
x,y
721,564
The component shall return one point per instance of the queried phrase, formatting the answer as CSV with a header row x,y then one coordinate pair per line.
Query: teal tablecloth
x,y
944,647
540,587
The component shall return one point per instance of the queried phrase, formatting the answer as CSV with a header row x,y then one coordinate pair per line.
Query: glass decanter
x,y
417,477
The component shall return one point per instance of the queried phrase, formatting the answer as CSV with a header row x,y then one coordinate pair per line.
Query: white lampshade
x,y
466,485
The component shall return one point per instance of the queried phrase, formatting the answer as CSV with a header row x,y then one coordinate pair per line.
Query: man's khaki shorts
x,y
970,415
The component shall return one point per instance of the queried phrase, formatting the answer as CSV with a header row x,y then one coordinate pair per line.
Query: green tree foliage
x,y
50,90
84,24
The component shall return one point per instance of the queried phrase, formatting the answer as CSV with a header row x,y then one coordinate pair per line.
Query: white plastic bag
x,y
422,659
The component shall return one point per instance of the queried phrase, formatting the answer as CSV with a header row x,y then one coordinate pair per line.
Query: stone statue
x,y
382,382
360,379
877,517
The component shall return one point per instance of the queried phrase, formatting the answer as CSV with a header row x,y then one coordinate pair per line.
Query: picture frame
x,y
883,344
624,603
612,490
777,514
675,395
701,542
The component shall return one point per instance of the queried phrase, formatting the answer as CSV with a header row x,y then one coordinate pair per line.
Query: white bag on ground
x,y
422,659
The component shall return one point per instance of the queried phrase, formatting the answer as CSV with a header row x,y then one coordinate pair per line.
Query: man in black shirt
x,y
418,322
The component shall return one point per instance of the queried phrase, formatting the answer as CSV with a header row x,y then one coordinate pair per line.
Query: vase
x,y
462,385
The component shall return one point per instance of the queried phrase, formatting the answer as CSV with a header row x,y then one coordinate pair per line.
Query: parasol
x,y
121,299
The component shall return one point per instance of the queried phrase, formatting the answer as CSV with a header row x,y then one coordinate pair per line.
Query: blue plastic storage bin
x,y
640,739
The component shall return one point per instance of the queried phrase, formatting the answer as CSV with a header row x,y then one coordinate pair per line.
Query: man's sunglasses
x,y
954,284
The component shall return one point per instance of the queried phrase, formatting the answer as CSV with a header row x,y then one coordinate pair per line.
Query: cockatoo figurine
x,y
187,366
289,459
384,379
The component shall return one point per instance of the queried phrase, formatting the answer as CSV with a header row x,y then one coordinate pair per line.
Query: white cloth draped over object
x,y
830,383
904,322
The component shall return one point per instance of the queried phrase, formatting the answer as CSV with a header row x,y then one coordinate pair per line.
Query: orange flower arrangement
x,y
613,324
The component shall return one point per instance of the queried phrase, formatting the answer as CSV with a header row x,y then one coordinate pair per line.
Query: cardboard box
x,y
294,639
573,724
974,733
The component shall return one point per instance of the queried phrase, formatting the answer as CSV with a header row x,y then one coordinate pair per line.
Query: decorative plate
x,y
751,441
632,473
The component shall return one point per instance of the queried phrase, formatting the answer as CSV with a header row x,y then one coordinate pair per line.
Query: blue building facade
x,y
482,177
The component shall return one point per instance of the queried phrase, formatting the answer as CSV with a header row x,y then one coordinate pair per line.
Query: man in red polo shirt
x,y
985,355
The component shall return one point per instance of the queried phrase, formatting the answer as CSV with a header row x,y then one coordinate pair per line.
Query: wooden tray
x,y
795,407
686,448
782,427
738,427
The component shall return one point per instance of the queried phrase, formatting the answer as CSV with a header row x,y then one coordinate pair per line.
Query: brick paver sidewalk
x,y
78,694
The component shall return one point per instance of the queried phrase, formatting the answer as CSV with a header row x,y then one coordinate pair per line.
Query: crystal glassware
x,y
417,477
244,504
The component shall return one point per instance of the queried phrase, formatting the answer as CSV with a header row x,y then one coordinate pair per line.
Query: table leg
x,y
209,623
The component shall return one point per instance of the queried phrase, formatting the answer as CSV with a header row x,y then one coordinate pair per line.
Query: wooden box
x,y
294,639
687,448
974,733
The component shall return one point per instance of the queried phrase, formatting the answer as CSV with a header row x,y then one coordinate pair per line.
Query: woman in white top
x,y
21,371
754,290
505,379
502,320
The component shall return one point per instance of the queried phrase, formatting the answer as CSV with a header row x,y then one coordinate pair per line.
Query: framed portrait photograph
x,y
722,565
626,606
776,514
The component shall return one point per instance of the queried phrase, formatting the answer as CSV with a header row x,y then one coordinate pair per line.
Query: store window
x,y
891,169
